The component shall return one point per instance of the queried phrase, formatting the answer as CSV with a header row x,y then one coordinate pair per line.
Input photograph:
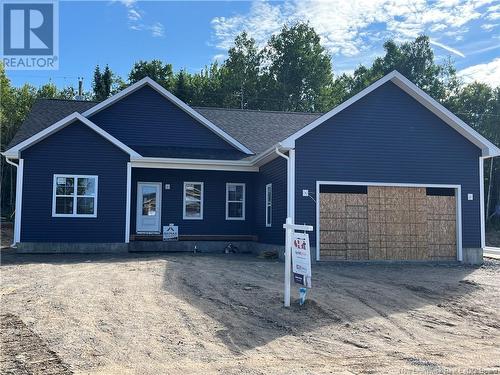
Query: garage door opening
x,y
364,222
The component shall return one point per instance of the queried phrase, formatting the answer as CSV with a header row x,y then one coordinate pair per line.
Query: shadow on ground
x,y
244,296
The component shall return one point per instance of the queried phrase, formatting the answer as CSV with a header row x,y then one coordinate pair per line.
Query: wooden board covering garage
x,y
388,223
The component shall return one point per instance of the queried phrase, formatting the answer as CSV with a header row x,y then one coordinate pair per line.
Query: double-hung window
x,y
193,201
74,196
235,201
269,205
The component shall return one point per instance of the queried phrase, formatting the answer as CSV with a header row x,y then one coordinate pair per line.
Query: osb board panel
x,y
387,223
441,227
344,226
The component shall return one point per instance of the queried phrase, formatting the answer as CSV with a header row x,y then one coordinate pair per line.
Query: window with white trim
x,y
74,196
269,204
193,201
235,201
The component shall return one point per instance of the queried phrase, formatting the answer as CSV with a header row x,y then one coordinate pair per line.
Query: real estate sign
x,y
171,233
301,259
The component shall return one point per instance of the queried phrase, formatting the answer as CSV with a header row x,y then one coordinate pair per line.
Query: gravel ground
x,y
203,314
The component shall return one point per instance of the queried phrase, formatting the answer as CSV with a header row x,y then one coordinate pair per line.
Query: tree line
x,y
292,72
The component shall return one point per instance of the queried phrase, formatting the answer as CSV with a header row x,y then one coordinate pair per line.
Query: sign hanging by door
x,y
301,259
171,233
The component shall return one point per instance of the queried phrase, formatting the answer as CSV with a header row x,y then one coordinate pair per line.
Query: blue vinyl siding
x,y
389,137
214,201
75,149
146,118
273,173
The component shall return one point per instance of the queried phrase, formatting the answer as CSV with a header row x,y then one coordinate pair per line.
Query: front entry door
x,y
148,207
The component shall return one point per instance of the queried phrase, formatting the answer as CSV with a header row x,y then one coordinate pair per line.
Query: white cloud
x,y
487,72
448,48
350,28
136,21
157,30
219,57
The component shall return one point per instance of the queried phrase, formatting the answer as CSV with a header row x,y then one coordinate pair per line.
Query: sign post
x,y
290,228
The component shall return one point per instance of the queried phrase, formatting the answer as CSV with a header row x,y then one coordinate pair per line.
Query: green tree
x,y
102,83
241,74
158,71
415,60
182,87
299,68
97,84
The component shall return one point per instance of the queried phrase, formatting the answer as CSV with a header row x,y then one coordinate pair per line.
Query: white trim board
x,y
13,152
19,201
172,98
488,149
458,198
198,164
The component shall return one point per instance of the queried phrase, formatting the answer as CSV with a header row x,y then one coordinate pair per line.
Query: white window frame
x,y
243,202
74,195
184,201
269,203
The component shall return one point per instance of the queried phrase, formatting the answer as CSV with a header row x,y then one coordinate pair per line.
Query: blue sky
x,y
192,34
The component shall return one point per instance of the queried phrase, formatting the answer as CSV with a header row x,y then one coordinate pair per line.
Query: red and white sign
x,y
301,259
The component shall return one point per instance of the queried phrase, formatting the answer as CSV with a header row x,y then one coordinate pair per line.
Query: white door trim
x,y
458,196
139,206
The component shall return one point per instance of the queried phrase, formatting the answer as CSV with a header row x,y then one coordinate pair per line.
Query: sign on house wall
x,y
170,232
301,259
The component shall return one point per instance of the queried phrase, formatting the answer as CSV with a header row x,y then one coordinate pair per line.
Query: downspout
x,y
17,166
290,167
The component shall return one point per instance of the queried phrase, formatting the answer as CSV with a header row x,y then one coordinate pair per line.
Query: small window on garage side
x,y
235,201
269,204
193,201
74,196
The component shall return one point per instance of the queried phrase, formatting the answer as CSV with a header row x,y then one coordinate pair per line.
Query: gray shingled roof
x,y
257,130
46,112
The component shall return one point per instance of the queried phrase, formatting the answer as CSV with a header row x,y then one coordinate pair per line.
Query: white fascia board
x,y
13,152
289,142
198,164
172,98
270,154
488,149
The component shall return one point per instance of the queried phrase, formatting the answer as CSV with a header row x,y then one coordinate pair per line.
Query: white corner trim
x,y
13,152
128,202
19,201
487,148
202,196
458,199
481,202
179,103
242,202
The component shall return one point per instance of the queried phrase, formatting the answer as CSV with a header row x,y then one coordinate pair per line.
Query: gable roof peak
x,y
173,99
488,149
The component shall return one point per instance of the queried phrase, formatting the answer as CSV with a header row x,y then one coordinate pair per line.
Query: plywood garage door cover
x,y
387,223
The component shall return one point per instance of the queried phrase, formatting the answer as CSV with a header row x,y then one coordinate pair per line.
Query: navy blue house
x,y
388,175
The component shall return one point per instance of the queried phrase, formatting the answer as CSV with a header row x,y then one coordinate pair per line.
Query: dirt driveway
x,y
157,313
